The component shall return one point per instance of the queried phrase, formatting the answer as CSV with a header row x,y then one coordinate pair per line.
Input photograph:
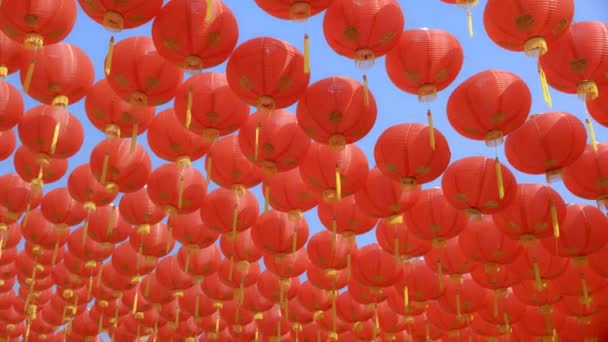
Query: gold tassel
x,y
470,22
189,108
338,185
495,304
348,265
306,54
55,138
187,262
592,134
440,275
180,192
397,252
406,298
334,230
294,241
134,134
507,323
365,91
231,267
499,180
458,307
334,312
585,290
104,169
266,198
235,219
108,66
28,76
544,86
111,221
256,146
429,118
554,220
538,283
209,11
197,304
135,300
208,164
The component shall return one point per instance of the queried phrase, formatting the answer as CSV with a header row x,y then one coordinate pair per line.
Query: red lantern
x,y
106,224
427,150
206,44
45,22
290,265
274,142
344,217
287,192
139,75
86,189
189,229
586,177
546,143
479,184
449,259
576,66
91,249
207,106
419,284
63,74
495,278
337,111
351,311
464,297
115,163
8,141
363,40
116,17
200,262
11,105
267,73
483,243
228,167
28,168
375,267
113,116
17,196
364,295
489,105
138,209
229,211
536,211
539,265
276,233
153,240
51,132
598,107
399,239
330,252
293,9
177,190
171,141
540,321
334,173
424,62
11,54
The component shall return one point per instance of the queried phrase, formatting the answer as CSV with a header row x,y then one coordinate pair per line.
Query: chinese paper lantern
x,y
334,173
273,142
399,240
344,217
462,298
28,167
329,252
349,310
195,34
43,23
8,141
536,211
540,321
467,5
424,62
539,265
59,74
171,141
546,143
267,73
363,31
11,54
276,233
576,65
86,189
293,9
139,75
585,176
287,192
529,27
229,211
427,151
200,262
479,185
418,285
189,229
114,116
345,119
288,266
51,132
106,224
444,319
91,249
240,246
138,209
598,107
116,17
115,163
153,240
362,294
495,278
489,105
483,243
17,196
450,260
227,166
177,190
375,267
11,105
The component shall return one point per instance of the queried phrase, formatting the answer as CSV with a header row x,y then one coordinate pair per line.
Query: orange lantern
x,y
11,105
267,73
546,143
59,74
113,116
586,177
273,142
337,111
8,141
44,23
207,106
479,185
227,166
363,31
152,85
489,105
195,34
177,190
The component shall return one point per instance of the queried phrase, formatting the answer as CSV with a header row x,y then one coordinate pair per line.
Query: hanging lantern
x,y
189,229
229,211
86,189
275,232
267,73
228,167
345,217
586,177
11,105
115,17
28,168
598,107
195,34
483,243
59,207
489,105
11,55
293,9
399,240
287,192
8,141
373,266
177,190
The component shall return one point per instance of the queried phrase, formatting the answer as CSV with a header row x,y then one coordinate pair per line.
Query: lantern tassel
x,y
338,185
348,265
266,198
231,267
189,108
135,300
235,219
592,134
507,323
187,262
429,118
28,76
495,305
538,283
458,307
180,192
470,23
334,231
499,180
134,134
397,252
545,86
365,91
197,305
294,241
55,138
306,54
334,312
585,292
104,169
209,11
554,220
440,275
110,54
256,151
111,221
406,298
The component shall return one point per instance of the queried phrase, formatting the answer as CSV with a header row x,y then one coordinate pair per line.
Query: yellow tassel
x,y
592,134
28,76
135,300
208,164
585,290
429,118
55,138
501,187
306,54
180,192
440,275
111,221
189,108
538,283
338,185
197,304
134,134
257,334
294,241
406,298
3,71
235,219
348,265
108,66
470,22
544,86
397,252
365,91
257,141
554,220
507,323
104,169
458,307
209,11
334,312
334,230
217,324
495,304
90,288
266,198
187,262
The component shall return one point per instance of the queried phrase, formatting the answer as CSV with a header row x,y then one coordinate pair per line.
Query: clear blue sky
x,y
394,106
